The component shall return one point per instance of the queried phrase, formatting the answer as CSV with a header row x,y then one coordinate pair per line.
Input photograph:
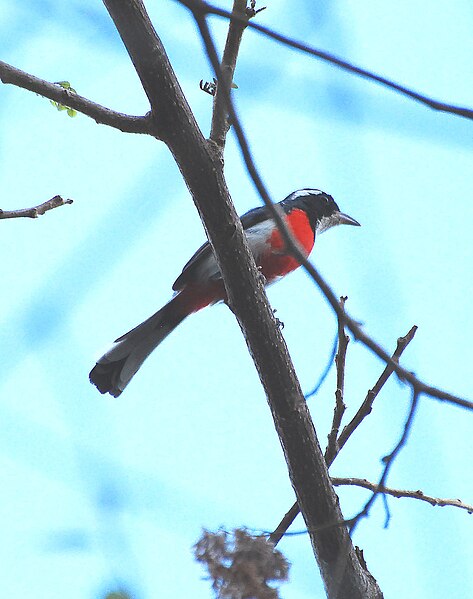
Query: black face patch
x,y
318,204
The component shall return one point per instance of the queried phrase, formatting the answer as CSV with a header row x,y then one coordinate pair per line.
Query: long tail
x,y
115,369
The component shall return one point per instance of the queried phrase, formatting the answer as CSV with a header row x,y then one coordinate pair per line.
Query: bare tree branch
x,y
366,406
100,114
291,242
361,414
417,385
220,122
203,173
379,488
465,112
36,211
360,335
420,495
398,493
332,447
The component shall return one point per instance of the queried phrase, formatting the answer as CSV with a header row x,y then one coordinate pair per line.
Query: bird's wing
x,y
203,262
193,268
254,217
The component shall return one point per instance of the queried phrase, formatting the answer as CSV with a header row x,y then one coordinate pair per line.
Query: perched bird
x,y
200,284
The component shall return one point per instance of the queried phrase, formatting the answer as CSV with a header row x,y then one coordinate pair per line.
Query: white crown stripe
x,y
300,193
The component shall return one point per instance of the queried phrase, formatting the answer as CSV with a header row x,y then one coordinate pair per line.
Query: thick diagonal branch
x,y
204,177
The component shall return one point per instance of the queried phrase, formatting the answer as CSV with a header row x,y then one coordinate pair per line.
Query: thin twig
x,y
360,335
206,8
340,359
388,462
36,211
375,488
342,341
420,495
292,513
294,247
366,406
326,371
204,177
220,121
281,529
100,114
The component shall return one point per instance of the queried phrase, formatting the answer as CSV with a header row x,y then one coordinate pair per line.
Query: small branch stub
x,y
36,211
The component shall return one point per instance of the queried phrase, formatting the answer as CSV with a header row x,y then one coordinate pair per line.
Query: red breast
x,y
276,263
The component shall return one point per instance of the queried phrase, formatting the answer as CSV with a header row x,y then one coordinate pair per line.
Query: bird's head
x,y
322,209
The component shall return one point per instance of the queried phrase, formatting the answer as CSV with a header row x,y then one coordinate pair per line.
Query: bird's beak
x,y
344,219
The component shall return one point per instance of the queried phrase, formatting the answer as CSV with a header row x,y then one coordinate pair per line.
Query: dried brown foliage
x,y
241,565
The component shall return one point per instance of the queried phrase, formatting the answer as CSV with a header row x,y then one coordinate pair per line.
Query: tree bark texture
x,y
202,169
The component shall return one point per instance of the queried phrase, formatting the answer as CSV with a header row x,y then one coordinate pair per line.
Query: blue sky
x,y
100,492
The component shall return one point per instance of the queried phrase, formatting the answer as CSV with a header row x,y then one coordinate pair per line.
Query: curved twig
x,y
348,430
326,370
205,8
292,244
388,462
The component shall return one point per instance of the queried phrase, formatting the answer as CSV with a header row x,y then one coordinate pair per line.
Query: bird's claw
x,y
278,322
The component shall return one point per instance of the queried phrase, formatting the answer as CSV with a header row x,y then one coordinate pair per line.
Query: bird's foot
x,y
278,322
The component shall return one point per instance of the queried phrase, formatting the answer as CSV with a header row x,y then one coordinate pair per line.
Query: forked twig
x,y
366,406
292,513
375,488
